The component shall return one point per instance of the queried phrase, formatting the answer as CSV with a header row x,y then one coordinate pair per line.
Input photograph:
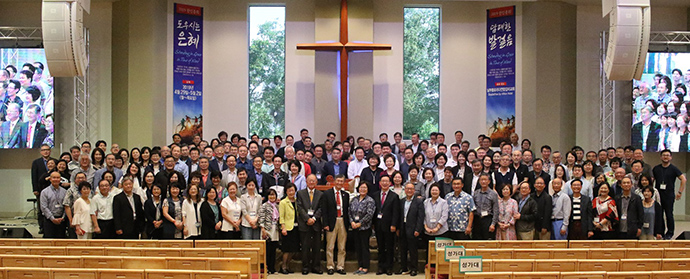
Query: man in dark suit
x,y
336,222
13,131
218,162
163,176
411,227
128,213
471,180
527,213
300,145
334,167
276,178
630,211
309,220
537,166
36,131
386,223
649,140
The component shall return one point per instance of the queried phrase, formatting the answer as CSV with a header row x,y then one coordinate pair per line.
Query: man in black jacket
x,y
527,213
538,171
542,224
386,222
411,227
128,213
38,169
335,212
276,179
630,211
309,220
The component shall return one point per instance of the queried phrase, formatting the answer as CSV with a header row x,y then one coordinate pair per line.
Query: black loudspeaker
x,y
684,235
6,232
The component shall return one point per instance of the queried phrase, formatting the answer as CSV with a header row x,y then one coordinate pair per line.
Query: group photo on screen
x,y
660,104
26,99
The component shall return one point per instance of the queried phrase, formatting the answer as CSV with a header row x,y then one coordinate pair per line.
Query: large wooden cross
x,y
343,47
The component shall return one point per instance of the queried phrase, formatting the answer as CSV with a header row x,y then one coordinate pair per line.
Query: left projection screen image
x,y
26,99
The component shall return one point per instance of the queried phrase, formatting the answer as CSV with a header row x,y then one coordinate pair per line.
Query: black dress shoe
x,y
341,271
284,271
380,272
331,271
317,271
413,273
305,272
389,273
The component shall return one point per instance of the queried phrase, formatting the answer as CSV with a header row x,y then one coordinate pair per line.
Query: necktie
x,y
29,139
337,200
383,198
311,196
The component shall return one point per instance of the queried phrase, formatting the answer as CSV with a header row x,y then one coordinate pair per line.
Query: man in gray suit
x,y
309,220
13,131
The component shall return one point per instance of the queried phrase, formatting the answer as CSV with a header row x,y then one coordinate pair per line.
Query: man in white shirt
x,y
357,165
102,212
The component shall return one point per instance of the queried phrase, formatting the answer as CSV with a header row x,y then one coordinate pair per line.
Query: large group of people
x,y
26,107
405,195
660,113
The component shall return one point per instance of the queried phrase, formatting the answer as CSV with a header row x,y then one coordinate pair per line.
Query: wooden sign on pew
x,y
442,242
470,264
454,252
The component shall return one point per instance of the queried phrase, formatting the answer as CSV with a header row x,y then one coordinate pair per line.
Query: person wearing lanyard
x,y
336,223
560,215
289,233
268,219
153,210
436,217
580,226
630,211
191,208
231,209
386,223
128,213
251,202
486,216
362,210
411,228
51,205
527,213
665,175
309,220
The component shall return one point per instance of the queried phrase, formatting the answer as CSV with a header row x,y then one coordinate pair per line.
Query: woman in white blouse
x,y
191,213
82,218
251,203
231,209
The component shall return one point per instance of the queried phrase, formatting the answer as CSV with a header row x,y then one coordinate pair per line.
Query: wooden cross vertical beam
x,y
344,47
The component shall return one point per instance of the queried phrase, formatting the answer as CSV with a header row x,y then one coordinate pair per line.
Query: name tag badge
x,y
662,186
198,225
135,215
645,225
295,224
596,219
576,217
57,206
485,213
624,217
432,220
379,216
337,207
405,220
236,215
318,175
356,218
310,212
252,214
